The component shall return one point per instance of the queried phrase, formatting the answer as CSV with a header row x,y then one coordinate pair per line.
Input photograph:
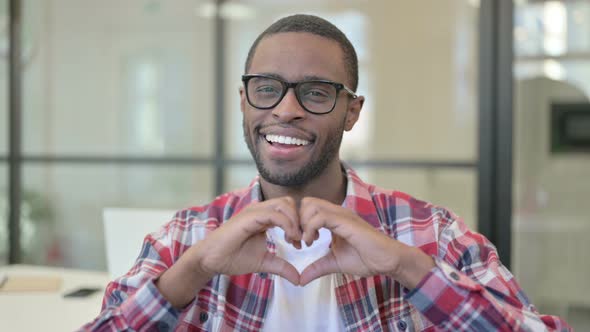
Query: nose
x,y
289,109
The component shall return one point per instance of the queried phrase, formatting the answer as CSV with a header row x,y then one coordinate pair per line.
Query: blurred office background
x,y
135,104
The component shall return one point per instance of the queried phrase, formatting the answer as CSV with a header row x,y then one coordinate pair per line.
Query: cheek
x,y
251,122
334,128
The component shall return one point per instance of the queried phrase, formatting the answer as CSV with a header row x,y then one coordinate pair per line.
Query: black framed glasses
x,y
315,96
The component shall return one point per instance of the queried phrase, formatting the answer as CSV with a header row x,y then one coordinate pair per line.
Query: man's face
x,y
290,145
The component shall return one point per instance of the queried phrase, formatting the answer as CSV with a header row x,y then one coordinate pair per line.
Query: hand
x,y
236,247
239,245
357,247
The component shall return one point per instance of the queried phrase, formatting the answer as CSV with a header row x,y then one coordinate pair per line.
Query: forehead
x,y
296,55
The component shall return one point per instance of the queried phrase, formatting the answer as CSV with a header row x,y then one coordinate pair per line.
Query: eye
x,y
266,89
316,93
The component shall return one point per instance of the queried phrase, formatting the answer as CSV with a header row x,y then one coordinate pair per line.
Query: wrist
x,y
413,267
181,282
196,262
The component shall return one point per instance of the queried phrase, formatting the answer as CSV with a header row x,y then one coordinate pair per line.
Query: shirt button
x,y
455,276
402,325
162,326
203,316
263,275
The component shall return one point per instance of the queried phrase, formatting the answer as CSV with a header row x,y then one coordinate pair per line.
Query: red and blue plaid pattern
x,y
468,290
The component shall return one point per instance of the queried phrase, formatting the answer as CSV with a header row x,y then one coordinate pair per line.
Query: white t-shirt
x,y
309,308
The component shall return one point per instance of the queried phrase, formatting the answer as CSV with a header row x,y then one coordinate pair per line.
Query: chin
x,y
296,177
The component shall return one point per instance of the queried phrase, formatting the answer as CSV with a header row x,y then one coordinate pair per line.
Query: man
x,y
309,246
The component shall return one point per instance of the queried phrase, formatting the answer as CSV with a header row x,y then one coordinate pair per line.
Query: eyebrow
x,y
305,78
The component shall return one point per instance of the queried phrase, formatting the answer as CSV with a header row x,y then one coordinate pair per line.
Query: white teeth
x,y
286,140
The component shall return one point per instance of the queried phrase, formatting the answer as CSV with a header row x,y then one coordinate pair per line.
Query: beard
x,y
314,167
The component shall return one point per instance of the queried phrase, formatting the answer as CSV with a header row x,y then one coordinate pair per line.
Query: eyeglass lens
x,y
317,97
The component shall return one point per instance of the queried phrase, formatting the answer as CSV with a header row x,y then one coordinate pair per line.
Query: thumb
x,y
276,265
321,267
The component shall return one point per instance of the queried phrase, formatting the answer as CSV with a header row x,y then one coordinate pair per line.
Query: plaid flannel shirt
x,y
468,290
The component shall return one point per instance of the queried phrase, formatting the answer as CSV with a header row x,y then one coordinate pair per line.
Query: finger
x,y
296,244
287,206
256,222
321,267
294,236
263,221
308,208
312,226
276,265
318,214
308,211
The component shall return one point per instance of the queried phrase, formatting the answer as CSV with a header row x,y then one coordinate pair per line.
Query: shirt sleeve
x,y
133,302
470,290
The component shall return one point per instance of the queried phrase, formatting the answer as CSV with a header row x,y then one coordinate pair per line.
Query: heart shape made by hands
x,y
300,258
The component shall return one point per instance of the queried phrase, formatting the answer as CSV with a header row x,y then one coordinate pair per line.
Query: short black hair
x,y
317,26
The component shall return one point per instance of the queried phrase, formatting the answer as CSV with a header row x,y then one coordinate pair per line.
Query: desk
x,y
50,311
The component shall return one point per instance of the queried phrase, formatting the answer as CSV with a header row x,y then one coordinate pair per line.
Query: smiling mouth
x,y
286,140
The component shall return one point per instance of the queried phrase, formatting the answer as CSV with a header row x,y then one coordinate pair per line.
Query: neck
x,y
329,185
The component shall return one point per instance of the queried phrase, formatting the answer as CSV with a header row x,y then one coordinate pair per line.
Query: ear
x,y
353,111
242,99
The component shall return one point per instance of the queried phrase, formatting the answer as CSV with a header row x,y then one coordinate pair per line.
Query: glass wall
x,y
119,107
131,78
4,213
108,80
551,225
4,130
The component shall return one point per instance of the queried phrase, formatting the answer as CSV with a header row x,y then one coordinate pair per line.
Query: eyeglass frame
x,y
288,85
